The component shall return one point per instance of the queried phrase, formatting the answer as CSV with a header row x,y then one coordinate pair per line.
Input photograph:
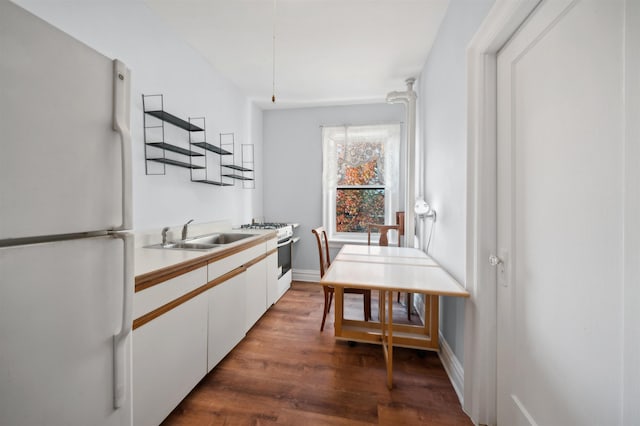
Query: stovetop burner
x,y
265,225
284,231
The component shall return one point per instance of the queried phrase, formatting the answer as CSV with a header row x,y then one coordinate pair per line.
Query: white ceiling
x,y
328,52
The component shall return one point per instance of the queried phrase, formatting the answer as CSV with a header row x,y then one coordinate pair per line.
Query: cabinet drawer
x,y
153,297
227,264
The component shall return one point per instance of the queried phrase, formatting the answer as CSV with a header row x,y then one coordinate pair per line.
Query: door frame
x,y
480,340
631,319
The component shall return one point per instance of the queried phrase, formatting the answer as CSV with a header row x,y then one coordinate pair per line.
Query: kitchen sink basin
x,y
219,239
205,242
184,246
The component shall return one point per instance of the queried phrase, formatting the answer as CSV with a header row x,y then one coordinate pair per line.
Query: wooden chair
x,y
400,221
384,241
383,230
325,262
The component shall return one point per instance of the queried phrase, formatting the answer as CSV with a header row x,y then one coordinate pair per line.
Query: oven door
x,y
284,256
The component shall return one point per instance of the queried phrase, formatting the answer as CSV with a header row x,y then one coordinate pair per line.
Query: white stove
x,y
284,231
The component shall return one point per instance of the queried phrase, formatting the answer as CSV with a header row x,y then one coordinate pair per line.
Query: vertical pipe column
x,y
408,98
410,172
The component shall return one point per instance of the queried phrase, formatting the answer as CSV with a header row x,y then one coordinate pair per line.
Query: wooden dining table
x,y
388,270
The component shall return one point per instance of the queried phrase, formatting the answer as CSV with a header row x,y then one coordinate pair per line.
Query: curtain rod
x,y
368,124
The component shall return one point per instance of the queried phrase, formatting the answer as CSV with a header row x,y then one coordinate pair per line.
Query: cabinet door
x,y
169,358
256,292
272,279
226,318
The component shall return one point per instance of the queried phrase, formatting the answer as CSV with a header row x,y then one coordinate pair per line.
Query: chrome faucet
x,y
164,235
184,229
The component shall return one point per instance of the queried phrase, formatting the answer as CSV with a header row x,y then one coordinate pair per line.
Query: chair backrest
x,y
382,229
323,249
400,221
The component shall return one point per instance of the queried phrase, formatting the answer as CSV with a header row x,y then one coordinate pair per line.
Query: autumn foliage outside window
x,y
360,177
360,191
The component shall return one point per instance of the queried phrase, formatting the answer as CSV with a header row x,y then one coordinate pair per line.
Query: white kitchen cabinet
x,y
256,293
272,279
176,342
226,317
169,355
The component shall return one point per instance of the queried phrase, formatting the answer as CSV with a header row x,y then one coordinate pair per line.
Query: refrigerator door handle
x,y
119,339
121,120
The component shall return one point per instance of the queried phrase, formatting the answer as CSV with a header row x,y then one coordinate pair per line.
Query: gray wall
x,y
293,166
442,122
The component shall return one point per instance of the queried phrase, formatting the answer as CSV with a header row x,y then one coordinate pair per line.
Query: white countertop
x,y
152,259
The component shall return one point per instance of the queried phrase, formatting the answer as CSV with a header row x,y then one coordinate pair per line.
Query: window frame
x,y
331,136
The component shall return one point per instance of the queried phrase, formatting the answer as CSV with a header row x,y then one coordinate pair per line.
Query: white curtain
x,y
335,137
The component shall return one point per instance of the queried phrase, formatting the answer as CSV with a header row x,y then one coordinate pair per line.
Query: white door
x,y
60,305
560,206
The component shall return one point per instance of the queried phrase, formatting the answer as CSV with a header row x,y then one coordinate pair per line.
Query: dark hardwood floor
x,y
286,372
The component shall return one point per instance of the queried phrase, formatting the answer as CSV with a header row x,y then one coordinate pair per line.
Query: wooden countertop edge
x,y
157,276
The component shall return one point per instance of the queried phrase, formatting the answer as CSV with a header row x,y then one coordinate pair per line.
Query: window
x,y
360,178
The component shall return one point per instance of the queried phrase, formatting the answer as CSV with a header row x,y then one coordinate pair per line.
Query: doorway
x,y
555,202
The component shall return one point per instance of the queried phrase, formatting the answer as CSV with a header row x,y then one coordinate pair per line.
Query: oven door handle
x,y
284,242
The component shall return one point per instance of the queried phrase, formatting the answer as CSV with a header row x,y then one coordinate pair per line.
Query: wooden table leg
x,y
380,318
390,343
339,310
383,330
386,333
434,313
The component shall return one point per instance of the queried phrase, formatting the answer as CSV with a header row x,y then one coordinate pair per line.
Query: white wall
x,y
161,63
293,166
442,134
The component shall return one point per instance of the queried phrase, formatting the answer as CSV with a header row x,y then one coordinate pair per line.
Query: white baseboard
x,y
310,275
453,368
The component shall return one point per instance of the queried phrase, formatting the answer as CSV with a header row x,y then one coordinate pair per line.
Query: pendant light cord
x,y
273,81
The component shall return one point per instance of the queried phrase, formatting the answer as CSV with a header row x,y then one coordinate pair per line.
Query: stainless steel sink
x,y
203,243
220,239
184,246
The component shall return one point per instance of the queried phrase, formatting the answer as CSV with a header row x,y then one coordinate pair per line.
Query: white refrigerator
x,y
66,260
